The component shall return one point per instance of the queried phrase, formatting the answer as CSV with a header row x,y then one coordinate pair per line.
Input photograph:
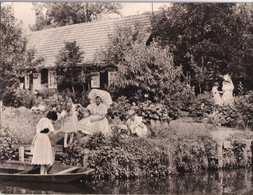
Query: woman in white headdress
x,y
96,121
227,88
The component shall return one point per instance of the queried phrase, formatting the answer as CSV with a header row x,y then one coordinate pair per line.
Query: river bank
x,y
182,146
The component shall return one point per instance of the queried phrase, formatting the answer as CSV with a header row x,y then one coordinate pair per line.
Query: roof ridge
x,y
92,22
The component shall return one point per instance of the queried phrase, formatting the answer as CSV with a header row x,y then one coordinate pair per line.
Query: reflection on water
x,y
235,181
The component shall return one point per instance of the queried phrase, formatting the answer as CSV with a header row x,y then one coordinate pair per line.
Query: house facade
x,y
90,37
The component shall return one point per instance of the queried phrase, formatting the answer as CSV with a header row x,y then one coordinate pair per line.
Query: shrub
x,y
178,99
47,92
25,123
8,141
119,108
202,105
244,105
17,97
113,157
229,116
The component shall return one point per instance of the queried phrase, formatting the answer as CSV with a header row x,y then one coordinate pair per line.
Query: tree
x,y
142,69
69,65
50,15
15,57
217,36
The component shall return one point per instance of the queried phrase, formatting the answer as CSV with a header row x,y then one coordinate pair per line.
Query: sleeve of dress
x,y
90,108
39,126
50,126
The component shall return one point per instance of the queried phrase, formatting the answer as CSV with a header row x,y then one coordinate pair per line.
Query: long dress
x,y
137,126
227,97
69,120
41,146
216,95
89,127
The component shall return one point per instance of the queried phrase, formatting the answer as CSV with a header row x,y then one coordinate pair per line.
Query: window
x,y
52,82
27,82
95,80
111,76
36,81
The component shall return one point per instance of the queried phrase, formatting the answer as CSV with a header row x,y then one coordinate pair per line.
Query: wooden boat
x,y
58,173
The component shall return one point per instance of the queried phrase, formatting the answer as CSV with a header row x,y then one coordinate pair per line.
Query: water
x,y
221,182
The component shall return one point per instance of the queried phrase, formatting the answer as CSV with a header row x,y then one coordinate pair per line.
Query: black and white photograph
x,y
113,97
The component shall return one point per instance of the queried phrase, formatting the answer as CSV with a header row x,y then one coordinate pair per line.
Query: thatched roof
x,y
90,37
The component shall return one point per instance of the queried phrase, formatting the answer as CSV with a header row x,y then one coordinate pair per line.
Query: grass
x,y
22,124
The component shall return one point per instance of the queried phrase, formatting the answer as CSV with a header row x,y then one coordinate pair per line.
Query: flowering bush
x,y
178,99
17,97
152,111
244,105
7,145
113,157
229,116
119,108
202,105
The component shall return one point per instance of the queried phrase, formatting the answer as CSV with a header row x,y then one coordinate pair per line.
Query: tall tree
x,y
14,53
214,35
69,65
142,69
50,15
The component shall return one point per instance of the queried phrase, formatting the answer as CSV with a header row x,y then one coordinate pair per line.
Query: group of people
x,y
94,121
224,97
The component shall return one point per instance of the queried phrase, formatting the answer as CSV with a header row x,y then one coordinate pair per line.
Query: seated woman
x,y
135,124
96,121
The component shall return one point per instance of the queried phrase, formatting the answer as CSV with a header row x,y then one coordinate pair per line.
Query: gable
x,y
90,37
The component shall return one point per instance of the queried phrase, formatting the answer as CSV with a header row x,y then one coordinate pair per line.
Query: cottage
x,y
90,37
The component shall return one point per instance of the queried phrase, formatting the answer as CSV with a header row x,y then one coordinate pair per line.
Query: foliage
x,y
14,53
202,105
179,99
244,105
47,92
145,70
68,64
207,38
17,97
119,108
236,155
7,145
24,126
230,116
113,157
54,14
152,111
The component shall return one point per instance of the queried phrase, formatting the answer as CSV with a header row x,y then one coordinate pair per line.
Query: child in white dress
x,y
41,147
135,124
69,124
216,94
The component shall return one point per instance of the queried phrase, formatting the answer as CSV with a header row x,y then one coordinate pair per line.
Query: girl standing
x,y
216,94
69,125
41,146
